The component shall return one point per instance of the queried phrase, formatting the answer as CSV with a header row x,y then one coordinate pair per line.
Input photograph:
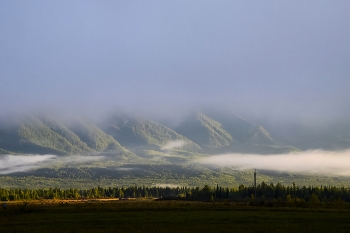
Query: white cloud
x,y
173,144
315,162
20,163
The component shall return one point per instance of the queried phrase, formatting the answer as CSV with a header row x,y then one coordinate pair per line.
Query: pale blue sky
x,y
267,57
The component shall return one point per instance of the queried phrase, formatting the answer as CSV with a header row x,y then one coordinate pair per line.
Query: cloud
x,y
173,144
20,163
312,162
78,159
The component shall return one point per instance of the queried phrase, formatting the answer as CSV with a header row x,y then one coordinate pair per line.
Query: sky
x,y
268,58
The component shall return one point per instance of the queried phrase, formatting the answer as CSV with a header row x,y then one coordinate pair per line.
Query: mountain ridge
x,y
134,132
201,132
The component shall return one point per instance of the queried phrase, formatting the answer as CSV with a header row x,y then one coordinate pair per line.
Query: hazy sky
x,y
267,57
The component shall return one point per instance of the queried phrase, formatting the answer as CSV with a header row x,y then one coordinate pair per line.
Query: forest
x,y
265,193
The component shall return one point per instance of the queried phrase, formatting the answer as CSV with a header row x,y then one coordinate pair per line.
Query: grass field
x,y
168,216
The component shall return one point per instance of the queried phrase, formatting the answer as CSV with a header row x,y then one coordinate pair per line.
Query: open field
x,y
168,216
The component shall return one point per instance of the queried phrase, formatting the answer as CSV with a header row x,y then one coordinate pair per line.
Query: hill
x,y
31,135
242,130
212,132
204,131
139,132
223,132
46,135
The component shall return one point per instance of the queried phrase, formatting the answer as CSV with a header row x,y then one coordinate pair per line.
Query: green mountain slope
x,y
242,130
63,131
95,138
31,135
212,132
220,132
136,132
45,135
36,132
205,131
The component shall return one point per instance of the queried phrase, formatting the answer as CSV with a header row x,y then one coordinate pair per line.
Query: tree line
x,y
263,191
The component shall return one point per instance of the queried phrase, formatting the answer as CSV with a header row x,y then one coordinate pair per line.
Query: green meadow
x,y
149,215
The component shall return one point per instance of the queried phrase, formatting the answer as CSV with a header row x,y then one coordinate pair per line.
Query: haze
x,y
266,58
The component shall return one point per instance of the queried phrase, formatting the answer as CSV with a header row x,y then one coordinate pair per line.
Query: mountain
x,y
63,131
95,138
222,132
45,135
31,135
139,132
199,133
204,131
242,130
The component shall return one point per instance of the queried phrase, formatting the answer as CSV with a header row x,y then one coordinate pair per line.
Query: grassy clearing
x,y
168,216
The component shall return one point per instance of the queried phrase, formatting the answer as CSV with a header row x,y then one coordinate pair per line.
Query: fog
x,y
307,162
173,144
10,163
334,163
19,163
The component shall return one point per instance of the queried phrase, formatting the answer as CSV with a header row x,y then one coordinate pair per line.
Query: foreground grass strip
x,y
169,216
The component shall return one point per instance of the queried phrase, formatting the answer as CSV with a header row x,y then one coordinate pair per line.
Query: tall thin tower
x,y
255,182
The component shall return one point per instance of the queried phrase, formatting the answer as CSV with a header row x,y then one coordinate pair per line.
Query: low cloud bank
x,y
314,162
173,144
20,163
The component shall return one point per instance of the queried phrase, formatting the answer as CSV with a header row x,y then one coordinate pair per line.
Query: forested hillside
x,y
46,135
198,133
207,132
139,132
224,133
